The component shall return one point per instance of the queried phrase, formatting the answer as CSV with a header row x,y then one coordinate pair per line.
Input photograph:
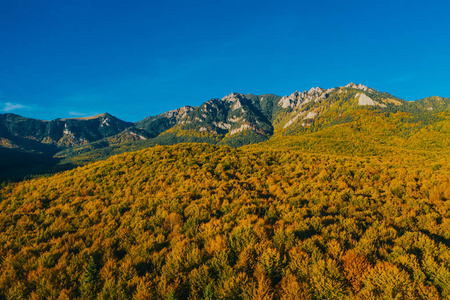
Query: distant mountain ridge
x,y
20,132
236,120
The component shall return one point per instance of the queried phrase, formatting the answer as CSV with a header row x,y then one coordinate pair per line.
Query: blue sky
x,y
133,59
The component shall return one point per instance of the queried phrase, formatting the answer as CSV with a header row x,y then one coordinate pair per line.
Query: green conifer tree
x,y
89,280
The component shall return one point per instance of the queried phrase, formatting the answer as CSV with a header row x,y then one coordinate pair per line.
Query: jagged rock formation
x,y
297,99
230,115
151,127
359,87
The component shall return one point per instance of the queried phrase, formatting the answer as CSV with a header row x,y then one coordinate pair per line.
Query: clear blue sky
x,y
133,59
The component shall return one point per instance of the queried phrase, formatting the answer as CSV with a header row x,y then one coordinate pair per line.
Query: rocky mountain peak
x,y
359,87
233,97
315,91
297,99
178,113
105,115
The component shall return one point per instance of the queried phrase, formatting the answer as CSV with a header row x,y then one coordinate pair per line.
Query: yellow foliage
x,y
197,221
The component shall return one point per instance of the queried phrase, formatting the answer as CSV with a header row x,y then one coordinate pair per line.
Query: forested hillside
x,y
198,221
346,118
324,194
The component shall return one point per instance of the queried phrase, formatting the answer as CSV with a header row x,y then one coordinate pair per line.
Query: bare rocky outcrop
x,y
241,128
233,97
310,115
363,100
359,87
295,118
298,99
178,113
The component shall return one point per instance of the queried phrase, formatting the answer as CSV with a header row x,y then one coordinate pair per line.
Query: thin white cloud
x,y
73,113
12,106
77,114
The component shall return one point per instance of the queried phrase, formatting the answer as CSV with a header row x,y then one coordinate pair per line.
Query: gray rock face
x,y
233,97
298,99
178,113
359,87
363,99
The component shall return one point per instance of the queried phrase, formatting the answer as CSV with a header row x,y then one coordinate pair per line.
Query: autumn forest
x,y
196,221
353,205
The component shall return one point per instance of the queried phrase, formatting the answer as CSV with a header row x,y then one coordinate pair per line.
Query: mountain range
x,y
235,120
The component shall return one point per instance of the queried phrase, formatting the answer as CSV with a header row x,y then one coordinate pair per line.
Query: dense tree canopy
x,y
197,221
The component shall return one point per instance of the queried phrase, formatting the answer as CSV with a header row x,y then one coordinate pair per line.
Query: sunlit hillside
x,y
198,221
